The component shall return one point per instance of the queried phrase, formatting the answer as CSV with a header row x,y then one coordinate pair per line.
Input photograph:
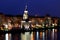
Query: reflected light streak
x,y
43,35
9,35
6,36
52,34
37,35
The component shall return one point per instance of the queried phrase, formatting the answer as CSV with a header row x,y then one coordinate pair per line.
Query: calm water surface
x,y
45,35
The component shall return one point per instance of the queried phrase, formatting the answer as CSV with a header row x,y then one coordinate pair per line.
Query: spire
x,y
26,11
26,8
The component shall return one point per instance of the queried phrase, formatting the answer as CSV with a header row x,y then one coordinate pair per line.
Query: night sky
x,y
39,7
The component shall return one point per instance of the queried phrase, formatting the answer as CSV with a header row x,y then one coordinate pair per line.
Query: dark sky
x,y
39,7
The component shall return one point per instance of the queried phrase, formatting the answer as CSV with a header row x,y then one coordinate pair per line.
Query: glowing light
x,y
6,36
37,35
53,24
52,34
43,35
25,11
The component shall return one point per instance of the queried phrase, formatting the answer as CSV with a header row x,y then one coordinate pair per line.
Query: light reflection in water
x,y
55,34
49,34
43,36
52,34
37,35
9,36
46,35
6,36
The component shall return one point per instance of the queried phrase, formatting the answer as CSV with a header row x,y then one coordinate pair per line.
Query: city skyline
x,y
39,7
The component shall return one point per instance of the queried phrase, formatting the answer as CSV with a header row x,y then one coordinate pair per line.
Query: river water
x,y
43,35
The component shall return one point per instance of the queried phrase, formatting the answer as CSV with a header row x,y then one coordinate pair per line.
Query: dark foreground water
x,y
44,35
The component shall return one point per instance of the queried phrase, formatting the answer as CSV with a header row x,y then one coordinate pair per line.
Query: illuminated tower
x,y
25,15
25,25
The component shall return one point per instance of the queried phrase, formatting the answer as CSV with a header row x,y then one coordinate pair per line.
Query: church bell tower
x,y
25,15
